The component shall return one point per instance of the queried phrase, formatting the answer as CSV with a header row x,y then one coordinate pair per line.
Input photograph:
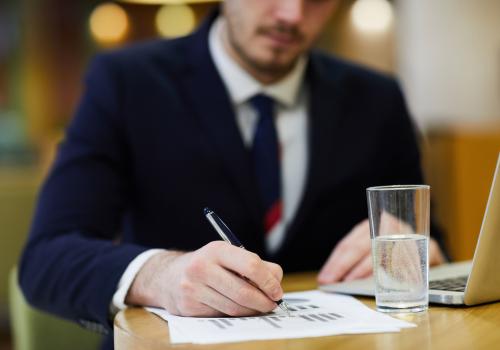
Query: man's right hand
x,y
208,282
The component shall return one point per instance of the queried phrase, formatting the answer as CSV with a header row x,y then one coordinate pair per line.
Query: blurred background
x,y
445,53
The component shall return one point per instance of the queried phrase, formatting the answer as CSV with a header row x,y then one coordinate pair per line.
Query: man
x,y
240,117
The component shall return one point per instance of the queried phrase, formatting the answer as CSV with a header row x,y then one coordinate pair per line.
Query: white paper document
x,y
313,313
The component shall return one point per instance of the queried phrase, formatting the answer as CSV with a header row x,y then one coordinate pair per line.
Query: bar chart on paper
x,y
274,320
313,313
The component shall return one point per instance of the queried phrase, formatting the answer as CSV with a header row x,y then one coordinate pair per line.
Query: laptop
x,y
463,283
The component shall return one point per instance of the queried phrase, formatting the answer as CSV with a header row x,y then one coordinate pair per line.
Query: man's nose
x,y
289,11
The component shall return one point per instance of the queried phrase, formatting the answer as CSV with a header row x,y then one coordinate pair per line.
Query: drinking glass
x,y
399,230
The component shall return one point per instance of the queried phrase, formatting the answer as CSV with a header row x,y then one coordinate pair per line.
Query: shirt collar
x,y
241,85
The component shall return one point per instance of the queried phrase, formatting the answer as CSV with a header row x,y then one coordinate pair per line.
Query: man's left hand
x,y
351,258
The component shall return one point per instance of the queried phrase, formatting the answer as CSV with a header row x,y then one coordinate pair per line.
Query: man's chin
x,y
274,65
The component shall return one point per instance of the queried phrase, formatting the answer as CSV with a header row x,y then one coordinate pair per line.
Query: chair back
x,y
37,330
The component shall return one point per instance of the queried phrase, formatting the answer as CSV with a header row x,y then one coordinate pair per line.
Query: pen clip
x,y
222,229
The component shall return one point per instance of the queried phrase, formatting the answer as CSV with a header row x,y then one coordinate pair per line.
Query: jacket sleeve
x,y
72,262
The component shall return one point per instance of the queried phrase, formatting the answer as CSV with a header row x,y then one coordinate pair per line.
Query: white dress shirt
x,y
292,128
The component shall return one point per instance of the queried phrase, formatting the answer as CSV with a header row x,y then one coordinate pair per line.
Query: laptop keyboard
x,y
454,284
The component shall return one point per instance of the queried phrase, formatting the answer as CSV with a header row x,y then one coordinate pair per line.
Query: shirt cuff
x,y
118,301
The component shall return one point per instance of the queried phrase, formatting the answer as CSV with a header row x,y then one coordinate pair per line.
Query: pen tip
x,y
284,306
206,210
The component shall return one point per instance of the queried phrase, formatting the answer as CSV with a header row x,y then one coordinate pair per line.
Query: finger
x,y
436,256
249,265
363,269
222,304
275,269
198,309
346,254
238,290
188,301
337,265
405,262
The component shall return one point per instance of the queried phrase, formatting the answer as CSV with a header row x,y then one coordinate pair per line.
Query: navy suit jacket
x,y
154,141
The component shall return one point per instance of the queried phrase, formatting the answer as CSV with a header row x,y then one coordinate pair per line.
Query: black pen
x,y
226,234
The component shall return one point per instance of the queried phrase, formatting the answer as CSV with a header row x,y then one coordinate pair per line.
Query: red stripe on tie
x,y
273,215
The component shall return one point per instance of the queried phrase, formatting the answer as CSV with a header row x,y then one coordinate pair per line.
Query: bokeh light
x,y
175,20
372,16
109,24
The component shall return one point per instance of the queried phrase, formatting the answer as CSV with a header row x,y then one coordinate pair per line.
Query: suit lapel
x,y
325,106
211,105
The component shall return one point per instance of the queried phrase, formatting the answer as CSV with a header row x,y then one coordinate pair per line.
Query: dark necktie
x,y
266,157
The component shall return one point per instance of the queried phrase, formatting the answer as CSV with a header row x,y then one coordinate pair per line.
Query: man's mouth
x,y
282,36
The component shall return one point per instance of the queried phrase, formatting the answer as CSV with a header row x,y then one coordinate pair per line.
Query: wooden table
x,y
439,328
